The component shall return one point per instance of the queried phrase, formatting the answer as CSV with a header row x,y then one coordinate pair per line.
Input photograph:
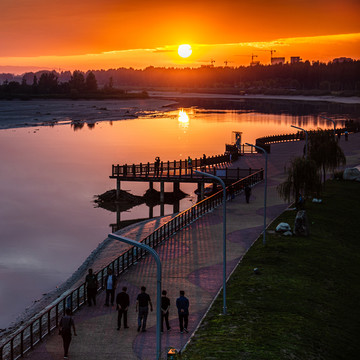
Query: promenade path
x,y
191,260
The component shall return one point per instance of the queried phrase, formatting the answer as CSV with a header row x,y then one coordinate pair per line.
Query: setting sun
x,y
184,50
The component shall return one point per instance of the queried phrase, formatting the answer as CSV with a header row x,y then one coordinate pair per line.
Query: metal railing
x,y
46,321
168,168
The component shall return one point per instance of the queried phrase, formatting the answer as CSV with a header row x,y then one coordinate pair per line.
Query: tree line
x,y
342,78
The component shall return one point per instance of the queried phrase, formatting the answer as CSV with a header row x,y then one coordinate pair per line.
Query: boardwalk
x,y
192,261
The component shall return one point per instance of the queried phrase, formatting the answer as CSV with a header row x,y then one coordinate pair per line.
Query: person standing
x,y
91,287
142,307
122,305
182,304
110,284
165,307
66,323
247,193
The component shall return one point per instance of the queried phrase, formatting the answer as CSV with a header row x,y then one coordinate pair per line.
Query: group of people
x,y
143,304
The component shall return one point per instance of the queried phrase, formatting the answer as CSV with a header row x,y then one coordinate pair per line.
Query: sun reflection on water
x,y
183,119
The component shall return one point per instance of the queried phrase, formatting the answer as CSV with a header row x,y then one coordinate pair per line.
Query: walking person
x,y
110,284
91,287
142,307
66,323
182,304
165,307
122,306
247,193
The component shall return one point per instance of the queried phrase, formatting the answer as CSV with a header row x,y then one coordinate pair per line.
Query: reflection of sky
x,y
49,175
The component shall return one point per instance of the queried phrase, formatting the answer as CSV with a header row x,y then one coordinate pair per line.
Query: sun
x,y
184,50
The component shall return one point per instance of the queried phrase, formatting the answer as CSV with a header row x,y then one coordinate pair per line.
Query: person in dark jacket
x,y
182,304
91,287
122,306
165,307
142,307
66,323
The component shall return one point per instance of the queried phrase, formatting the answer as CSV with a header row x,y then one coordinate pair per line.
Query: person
x,y
231,192
110,284
346,135
247,193
66,323
189,160
142,307
91,287
182,304
122,305
165,306
157,166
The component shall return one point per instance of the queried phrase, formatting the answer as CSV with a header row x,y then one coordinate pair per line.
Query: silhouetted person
x,y
91,287
247,193
157,166
122,305
142,307
66,323
165,306
182,304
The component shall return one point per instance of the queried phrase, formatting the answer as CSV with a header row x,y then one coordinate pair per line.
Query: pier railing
x,y
169,168
41,325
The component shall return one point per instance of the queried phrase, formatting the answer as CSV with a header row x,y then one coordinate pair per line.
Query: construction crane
x,y
253,63
212,61
227,62
271,53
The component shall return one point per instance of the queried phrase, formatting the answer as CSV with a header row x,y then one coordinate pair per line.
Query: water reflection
x,y
183,119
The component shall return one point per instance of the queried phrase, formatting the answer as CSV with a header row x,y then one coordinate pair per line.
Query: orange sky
x,y
94,34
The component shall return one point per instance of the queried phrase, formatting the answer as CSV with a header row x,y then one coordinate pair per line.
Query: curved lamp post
x,y
158,297
306,138
224,232
326,118
265,187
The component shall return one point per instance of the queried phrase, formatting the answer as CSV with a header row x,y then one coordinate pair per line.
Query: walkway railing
x,y
45,322
168,168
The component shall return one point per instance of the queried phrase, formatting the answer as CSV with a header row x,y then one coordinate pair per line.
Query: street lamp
x,y
224,233
265,187
326,118
158,297
306,138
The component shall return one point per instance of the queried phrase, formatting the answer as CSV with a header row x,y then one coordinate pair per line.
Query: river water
x,y
50,174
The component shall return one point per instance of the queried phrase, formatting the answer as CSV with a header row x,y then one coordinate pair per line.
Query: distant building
x,y
295,59
277,60
342,60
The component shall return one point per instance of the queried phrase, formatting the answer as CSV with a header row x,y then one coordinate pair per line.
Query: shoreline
x,y
32,113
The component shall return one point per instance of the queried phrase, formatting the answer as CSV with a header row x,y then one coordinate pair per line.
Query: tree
x,y
48,83
325,151
90,82
77,81
302,178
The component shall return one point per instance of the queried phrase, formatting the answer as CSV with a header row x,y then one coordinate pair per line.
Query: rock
x,y
351,174
301,225
282,227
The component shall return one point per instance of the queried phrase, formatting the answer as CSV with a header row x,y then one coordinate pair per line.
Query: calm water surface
x,y
49,176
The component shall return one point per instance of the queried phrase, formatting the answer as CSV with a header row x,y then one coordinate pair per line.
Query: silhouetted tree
x,y
77,81
302,178
90,82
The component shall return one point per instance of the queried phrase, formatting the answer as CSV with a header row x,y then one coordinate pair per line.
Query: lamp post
x,y
224,233
306,138
158,292
326,118
265,187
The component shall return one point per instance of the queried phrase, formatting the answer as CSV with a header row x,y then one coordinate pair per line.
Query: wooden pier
x,y
181,171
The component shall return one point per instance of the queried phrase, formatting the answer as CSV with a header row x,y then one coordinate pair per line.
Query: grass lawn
x,y
305,303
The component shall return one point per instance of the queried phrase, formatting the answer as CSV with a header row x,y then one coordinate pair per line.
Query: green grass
x,y
305,302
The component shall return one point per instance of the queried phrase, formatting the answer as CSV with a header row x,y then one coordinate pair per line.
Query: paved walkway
x,y
192,261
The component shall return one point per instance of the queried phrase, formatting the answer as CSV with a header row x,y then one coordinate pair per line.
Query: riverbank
x,y
77,113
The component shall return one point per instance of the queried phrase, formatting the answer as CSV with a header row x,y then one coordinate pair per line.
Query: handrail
x,y
181,167
46,321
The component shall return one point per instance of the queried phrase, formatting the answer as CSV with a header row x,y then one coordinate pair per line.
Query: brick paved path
x,y
191,260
